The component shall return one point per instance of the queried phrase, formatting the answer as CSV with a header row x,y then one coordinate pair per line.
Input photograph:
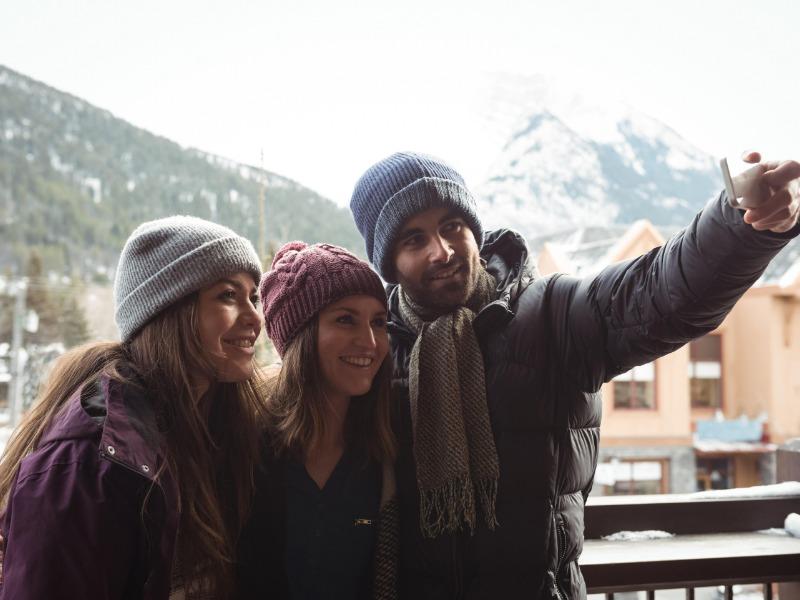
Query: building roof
x,y
584,250
717,447
784,269
588,249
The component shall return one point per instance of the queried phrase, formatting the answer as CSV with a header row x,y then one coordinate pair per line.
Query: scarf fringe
x,y
486,491
447,508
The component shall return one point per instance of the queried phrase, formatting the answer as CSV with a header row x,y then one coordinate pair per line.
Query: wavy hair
x,y
212,442
295,404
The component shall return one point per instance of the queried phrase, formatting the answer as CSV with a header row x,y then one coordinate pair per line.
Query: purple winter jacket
x,y
74,527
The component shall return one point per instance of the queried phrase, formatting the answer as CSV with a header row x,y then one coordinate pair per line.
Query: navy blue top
x,y
330,532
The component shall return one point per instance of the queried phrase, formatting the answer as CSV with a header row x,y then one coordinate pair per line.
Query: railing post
x,y
787,468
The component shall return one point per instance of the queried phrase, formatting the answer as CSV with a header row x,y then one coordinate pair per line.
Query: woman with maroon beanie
x,y
323,518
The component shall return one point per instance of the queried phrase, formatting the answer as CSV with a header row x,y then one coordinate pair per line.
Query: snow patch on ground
x,y
638,536
792,524
774,531
787,488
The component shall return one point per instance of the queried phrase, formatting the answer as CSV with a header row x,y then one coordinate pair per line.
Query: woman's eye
x,y
228,295
255,300
381,323
345,319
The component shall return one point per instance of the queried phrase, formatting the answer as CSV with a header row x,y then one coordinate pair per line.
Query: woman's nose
x,y
252,315
366,338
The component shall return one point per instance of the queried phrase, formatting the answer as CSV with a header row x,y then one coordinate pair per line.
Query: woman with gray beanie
x,y
324,516
132,474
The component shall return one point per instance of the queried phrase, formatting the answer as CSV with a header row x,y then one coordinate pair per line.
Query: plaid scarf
x,y
457,465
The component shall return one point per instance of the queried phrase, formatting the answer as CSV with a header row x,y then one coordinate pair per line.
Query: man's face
x,y
436,258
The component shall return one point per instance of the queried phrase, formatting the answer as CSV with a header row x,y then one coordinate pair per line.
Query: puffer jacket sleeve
x,y
635,311
71,533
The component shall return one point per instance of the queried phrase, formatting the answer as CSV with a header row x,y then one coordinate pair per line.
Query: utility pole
x,y
17,363
262,212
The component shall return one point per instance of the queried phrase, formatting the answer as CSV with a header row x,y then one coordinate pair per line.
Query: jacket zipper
x,y
562,553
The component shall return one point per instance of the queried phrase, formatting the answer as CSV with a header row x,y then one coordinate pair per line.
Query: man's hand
x,y
775,203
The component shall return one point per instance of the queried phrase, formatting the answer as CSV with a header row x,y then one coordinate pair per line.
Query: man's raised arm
x,y
635,311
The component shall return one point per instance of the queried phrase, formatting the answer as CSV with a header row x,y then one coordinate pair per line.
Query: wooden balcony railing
x,y
718,541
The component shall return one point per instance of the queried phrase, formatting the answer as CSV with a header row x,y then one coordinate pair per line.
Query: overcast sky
x,y
327,88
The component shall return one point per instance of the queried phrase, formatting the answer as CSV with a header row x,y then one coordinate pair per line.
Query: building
x,y
709,414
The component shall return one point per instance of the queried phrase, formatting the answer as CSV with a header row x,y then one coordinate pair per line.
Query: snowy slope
x,y
75,180
571,161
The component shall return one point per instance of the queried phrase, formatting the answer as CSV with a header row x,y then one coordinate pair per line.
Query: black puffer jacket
x,y
548,346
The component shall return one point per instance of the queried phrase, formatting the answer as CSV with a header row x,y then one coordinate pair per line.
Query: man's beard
x,y
447,297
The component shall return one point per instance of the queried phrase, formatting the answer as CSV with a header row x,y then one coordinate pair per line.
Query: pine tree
x,y
61,318
38,300
74,326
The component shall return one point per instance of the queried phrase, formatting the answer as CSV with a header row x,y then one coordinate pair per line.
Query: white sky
x,y
327,88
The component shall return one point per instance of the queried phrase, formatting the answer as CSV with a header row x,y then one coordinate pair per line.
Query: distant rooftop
x,y
784,267
586,250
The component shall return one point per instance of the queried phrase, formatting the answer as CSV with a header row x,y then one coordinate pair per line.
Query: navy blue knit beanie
x,y
398,187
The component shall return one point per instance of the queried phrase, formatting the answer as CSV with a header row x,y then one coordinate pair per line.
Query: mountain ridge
x,y
568,160
75,180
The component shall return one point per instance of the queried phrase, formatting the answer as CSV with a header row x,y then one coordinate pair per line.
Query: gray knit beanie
x,y
167,259
398,187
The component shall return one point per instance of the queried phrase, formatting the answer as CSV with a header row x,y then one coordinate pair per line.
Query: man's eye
x,y
255,300
380,322
414,240
452,226
345,319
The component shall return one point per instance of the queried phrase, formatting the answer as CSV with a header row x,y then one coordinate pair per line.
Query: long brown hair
x,y
295,404
211,442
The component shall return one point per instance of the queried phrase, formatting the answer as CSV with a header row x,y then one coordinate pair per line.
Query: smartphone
x,y
726,177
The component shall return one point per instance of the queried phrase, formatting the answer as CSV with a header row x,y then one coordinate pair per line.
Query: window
x,y
626,477
636,388
714,474
705,372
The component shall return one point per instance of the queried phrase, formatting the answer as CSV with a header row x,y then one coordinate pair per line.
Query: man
x,y
498,372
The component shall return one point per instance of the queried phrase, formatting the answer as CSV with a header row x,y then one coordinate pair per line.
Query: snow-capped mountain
x,y
569,162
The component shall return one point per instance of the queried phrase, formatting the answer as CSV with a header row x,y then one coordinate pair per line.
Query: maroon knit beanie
x,y
305,279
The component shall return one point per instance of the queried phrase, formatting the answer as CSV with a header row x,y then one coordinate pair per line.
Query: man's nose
x,y
440,250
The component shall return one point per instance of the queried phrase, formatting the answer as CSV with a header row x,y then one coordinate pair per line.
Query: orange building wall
x,y
669,423
748,356
761,356
785,405
760,366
